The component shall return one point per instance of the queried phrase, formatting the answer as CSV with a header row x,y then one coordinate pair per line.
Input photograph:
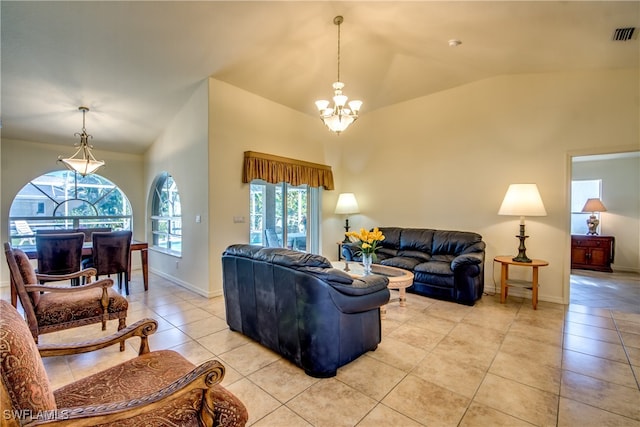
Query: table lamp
x,y
522,200
593,206
347,205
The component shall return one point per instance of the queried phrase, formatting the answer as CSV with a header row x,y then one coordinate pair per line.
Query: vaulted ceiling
x,y
135,63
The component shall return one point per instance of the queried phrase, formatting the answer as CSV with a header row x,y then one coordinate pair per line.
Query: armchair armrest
x,y
142,328
203,377
102,283
87,272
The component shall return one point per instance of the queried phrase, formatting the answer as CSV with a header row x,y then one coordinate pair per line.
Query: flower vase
x,y
367,259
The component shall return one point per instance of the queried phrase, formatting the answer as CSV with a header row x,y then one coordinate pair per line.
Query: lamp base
x,y
346,230
522,250
592,223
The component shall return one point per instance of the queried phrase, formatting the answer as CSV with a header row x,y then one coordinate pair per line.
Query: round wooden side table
x,y
505,261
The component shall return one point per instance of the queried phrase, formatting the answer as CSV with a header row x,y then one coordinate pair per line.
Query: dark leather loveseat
x,y
446,264
297,305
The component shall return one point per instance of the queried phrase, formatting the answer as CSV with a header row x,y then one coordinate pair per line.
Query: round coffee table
x,y
399,279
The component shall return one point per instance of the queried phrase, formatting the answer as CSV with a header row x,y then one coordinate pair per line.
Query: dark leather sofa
x,y
297,305
446,264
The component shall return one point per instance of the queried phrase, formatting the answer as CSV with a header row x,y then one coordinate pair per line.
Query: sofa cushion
x,y
420,256
405,263
242,250
292,259
443,258
416,239
391,237
386,253
435,267
453,242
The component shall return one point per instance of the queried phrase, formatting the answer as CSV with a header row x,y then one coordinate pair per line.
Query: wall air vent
x,y
623,34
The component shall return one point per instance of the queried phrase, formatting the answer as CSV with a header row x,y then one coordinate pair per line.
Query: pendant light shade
x,y
82,160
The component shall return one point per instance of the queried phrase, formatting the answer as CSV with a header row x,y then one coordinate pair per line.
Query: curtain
x,y
275,169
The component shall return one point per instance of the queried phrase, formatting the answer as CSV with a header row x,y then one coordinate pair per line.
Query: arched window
x,y
166,215
67,200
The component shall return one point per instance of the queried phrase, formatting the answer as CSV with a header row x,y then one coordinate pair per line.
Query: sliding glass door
x,y
280,215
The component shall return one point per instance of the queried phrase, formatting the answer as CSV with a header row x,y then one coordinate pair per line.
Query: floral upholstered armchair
x,y
50,308
156,388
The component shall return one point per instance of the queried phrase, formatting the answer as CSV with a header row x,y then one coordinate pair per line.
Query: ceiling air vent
x,y
623,34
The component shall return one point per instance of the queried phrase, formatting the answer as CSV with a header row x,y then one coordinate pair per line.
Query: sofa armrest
x,y
350,252
473,258
369,292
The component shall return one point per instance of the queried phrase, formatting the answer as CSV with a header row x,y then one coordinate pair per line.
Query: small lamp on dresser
x,y
593,205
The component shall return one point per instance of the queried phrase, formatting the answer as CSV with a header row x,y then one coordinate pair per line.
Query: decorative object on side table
x,y
522,200
368,243
593,206
347,205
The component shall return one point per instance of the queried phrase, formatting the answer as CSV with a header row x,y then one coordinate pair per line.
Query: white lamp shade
x,y
82,166
347,204
355,105
522,200
322,105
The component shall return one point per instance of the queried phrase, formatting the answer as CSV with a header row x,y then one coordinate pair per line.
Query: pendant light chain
x,y
339,22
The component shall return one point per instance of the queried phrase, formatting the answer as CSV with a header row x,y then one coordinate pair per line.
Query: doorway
x,y
618,177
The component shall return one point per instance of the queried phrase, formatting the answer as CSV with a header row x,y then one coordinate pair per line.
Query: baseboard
x,y
523,293
186,285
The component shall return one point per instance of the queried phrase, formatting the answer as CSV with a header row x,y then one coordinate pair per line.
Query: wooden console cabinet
x,y
592,252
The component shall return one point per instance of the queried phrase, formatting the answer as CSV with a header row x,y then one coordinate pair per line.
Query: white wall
x,y
442,161
445,161
182,152
621,196
240,121
23,161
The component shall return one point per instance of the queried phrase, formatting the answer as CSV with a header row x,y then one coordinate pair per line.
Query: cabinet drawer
x,y
591,242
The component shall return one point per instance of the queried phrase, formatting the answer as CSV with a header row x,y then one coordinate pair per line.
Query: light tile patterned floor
x,y
439,363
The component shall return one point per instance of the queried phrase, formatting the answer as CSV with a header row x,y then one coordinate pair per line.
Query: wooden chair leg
x,y
122,323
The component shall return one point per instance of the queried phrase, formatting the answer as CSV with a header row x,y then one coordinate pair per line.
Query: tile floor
x,y
439,363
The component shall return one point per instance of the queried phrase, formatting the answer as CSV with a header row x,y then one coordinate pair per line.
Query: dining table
x,y
87,251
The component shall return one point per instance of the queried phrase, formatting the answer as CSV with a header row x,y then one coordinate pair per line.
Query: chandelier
x,y
82,160
338,117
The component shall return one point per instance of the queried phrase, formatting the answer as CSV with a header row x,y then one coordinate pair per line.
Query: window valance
x,y
275,169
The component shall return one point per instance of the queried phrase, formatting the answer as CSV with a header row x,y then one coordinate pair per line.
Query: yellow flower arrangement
x,y
368,242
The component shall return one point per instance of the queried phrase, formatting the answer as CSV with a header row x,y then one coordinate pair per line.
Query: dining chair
x,y
112,255
88,232
51,308
59,253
